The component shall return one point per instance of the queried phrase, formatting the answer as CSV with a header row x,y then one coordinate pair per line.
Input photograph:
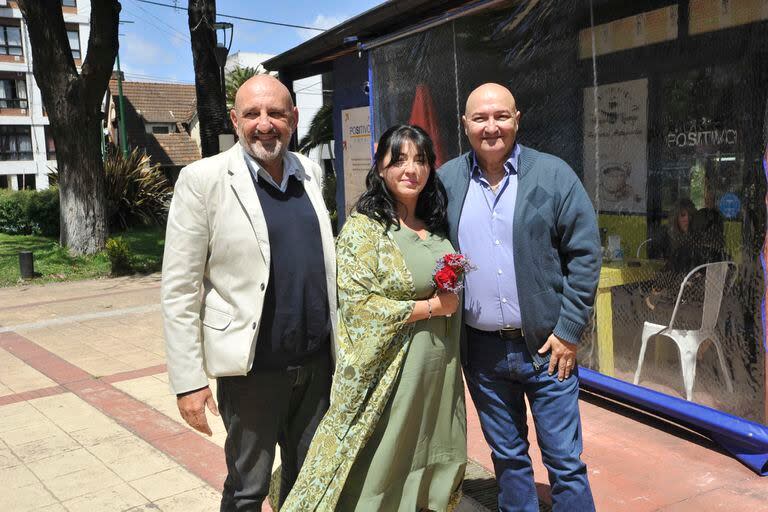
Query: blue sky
x,y
156,45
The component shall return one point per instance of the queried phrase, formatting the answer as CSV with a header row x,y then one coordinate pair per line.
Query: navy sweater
x,y
295,320
556,244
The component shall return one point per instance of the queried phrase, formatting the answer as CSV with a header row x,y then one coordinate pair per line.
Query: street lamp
x,y
224,31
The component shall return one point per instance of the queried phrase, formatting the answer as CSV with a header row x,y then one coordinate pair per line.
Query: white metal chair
x,y
639,247
689,341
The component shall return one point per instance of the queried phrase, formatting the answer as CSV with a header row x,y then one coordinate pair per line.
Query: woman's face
x,y
683,221
406,178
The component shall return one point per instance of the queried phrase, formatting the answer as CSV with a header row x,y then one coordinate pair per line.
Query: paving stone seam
x,y
40,481
120,407
79,318
80,297
194,453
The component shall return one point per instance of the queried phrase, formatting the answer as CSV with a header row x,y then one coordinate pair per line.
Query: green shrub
x,y
44,207
138,193
30,212
119,253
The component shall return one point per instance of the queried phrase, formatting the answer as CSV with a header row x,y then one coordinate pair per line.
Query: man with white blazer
x,y
249,295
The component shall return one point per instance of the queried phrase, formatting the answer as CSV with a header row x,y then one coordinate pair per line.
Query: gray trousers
x,y
260,410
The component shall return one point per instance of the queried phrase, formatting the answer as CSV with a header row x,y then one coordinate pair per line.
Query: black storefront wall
x,y
350,76
712,84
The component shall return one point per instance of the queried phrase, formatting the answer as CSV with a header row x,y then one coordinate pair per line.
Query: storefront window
x,y
660,108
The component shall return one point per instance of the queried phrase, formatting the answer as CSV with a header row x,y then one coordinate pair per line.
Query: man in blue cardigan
x,y
524,219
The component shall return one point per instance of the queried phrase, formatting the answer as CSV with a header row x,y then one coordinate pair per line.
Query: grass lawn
x,y
54,263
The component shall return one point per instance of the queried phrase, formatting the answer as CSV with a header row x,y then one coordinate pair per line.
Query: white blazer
x,y
216,267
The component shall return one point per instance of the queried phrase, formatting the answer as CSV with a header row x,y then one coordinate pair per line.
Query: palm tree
x,y
320,131
321,134
236,77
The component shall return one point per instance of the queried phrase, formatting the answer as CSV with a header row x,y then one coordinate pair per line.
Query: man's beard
x,y
271,152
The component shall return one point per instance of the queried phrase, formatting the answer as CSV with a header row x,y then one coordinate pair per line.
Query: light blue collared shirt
x,y
258,171
486,238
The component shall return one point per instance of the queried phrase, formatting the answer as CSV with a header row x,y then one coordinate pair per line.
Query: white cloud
x,y
321,21
141,57
129,69
138,49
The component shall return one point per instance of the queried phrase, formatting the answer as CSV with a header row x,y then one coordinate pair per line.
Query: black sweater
x,y
295,320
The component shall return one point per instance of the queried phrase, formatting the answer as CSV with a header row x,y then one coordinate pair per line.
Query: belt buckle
x,y
507,333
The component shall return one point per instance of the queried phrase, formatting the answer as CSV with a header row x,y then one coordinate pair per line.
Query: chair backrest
x,y
639,247
714,284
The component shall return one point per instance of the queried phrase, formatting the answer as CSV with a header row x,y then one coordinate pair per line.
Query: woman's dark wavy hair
x,y
377,202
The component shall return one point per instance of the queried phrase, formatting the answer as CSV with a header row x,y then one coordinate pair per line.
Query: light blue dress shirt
x,y
486,238
258,171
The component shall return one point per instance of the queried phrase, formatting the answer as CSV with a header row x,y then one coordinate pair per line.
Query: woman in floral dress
x,y
394,438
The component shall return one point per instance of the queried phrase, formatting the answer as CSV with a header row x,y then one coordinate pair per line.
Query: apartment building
x,y
27,151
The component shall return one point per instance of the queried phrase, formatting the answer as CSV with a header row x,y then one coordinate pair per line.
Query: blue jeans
x,y
500,373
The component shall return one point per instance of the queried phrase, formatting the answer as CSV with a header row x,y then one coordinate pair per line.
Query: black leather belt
x,y
505,334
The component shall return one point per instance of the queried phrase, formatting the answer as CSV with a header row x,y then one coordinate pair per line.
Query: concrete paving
x,y
87,422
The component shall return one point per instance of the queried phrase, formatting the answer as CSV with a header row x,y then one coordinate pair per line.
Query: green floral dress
x,y
394,437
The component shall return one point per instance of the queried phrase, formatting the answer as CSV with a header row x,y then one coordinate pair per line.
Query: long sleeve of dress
x,y
375,293
373,312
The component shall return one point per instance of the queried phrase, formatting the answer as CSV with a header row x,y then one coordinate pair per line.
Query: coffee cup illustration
x,y
614,181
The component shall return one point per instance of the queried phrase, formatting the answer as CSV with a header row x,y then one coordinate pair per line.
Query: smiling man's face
x,y
491,120
264,118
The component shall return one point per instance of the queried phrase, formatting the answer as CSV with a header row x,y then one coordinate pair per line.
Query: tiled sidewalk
x,y
82,401
87,422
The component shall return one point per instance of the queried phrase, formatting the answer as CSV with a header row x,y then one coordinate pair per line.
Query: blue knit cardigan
x,y
556,244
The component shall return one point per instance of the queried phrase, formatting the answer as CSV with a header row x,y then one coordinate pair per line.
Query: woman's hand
x,y
444,304
440,304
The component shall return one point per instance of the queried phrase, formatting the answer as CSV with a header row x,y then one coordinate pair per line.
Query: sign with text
x,y
356,147
710,15
635,31
701,133
615,146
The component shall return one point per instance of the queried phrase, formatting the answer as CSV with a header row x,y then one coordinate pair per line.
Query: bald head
x,y
259,85
490,121
264,118
490,93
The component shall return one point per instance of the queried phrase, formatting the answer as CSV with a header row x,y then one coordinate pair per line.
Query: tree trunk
x,y
82,195
73,102
211,102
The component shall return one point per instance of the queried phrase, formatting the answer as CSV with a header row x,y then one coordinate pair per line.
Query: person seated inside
x,y
679,252
708,227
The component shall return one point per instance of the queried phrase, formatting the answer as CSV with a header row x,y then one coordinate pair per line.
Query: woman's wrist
x,y
430,312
